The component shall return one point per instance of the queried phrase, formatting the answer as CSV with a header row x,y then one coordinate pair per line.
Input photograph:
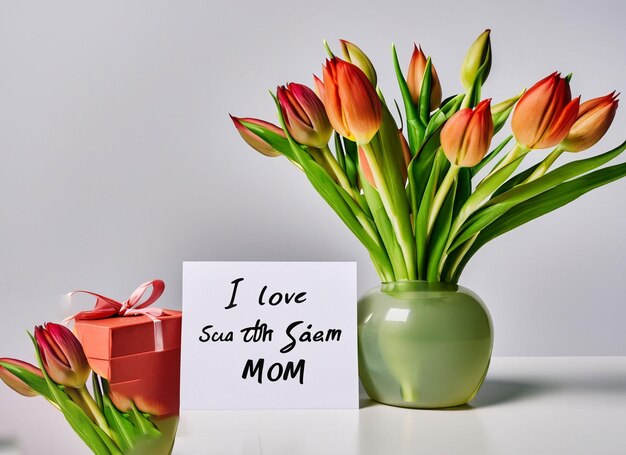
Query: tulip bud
x,y
356,56
62,355
466,136
16,383
594,119
304,114
500,112
479,54
352,105
545,113
417,68
252,139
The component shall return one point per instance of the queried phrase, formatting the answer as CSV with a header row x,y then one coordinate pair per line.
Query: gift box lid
x,y
122,336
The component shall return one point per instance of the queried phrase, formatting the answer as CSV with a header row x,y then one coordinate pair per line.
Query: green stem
x,y
95,411
403,230
440,196
459,258
338,172
517,151
545,164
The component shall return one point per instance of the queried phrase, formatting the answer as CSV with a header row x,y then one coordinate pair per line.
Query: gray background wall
x,y
119,160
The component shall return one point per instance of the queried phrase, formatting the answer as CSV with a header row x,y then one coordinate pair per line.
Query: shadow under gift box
x,y
123,351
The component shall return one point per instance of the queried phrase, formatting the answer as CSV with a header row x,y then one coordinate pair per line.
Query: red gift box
x,y
136,350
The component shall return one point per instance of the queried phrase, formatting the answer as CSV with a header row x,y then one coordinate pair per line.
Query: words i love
x,y
260,332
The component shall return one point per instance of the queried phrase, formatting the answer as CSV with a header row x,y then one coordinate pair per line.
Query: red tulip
x,y
594,119
16,383
62,355
252,139
417,68
466,136
353,106
304,114
545,113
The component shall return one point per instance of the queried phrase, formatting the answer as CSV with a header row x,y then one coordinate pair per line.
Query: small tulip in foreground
x,y
466,136
594,119
62,355
305,116
252,139
353,106
417,68
545,113
16,383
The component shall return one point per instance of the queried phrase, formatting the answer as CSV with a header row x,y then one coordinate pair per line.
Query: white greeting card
x,y
269,335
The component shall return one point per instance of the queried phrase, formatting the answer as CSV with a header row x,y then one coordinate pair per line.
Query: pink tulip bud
x,y
16,383
417,68
594,119
545,113
304,114
466,136
252,139
353,106
62,355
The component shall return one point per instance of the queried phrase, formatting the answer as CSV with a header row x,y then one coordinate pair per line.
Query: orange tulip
x,y
417,68
62,355
319,87
545,113
594,119
16,383
466,136
252,139
353,106
304,114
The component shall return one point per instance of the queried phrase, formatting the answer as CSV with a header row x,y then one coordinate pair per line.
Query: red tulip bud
x,y
466,136
545,113
252,139
16,383
62,355
417,68
594,119
353,106
304,114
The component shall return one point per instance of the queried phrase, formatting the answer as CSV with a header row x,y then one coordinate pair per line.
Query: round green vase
x,y
423,345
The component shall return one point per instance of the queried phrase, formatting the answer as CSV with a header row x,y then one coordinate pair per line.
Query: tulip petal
x,y
560,126
252,139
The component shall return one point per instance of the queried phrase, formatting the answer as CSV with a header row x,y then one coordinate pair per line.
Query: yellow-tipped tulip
x,y
479,54
466,136
415,76
594,119
252,139
351,102
62,355
545,113
304,114
16,383
353,54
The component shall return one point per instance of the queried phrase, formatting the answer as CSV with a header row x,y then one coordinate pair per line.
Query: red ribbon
x,y
106,307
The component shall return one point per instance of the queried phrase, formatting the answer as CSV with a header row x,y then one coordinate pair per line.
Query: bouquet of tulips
x,y
61,379
411,194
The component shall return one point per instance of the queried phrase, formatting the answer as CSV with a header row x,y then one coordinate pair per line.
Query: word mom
x,y
275,372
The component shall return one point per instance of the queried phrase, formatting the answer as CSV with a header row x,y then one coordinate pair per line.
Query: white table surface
x,y
528,405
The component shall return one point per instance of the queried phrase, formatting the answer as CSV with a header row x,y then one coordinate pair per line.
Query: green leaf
x,y
486,160
143,424
97,391
341,156
439,236
463,189
542,204
351,157
424,101
127,434
451,105
35,382
414,129
515,180
421,220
